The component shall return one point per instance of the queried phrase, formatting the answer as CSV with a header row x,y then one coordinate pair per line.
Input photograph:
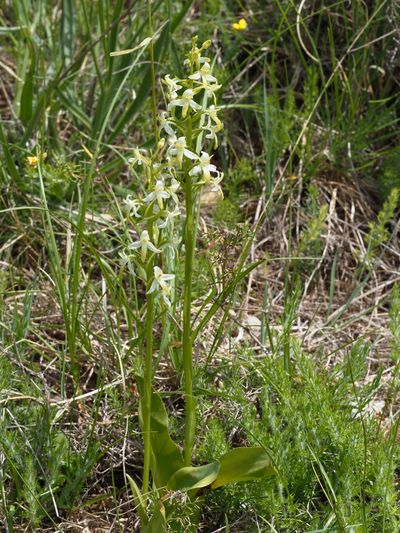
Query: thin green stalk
x,y
148,379
190,403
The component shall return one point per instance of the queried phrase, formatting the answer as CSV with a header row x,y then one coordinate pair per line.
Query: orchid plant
x,y
165,221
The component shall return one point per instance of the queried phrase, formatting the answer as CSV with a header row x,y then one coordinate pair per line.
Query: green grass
x,y
310,155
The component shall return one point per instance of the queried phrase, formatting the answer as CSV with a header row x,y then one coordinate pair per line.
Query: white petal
x,y
157,272
134,245
190,154
153,248
166,300
195,170
153,287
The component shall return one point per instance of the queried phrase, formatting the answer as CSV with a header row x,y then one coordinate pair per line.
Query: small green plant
x,y
181,161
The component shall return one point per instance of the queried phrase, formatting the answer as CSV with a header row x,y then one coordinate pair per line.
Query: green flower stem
x,y
147,385
190,403
148,368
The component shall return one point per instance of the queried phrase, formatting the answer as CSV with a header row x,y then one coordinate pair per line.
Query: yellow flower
x,y
240,26
33,160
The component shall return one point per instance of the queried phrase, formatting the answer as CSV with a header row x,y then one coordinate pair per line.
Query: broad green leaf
x,y
243,464
194,477
166,457
139,502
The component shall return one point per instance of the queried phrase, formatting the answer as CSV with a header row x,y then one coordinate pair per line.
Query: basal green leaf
x,y
166,457
243,464
194,477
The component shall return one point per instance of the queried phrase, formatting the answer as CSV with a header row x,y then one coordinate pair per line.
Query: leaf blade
x,y
194,477
243,464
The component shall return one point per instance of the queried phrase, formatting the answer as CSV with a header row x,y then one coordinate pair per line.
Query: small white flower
x,y
215,183
213,126
212,133
186,102
204,167
211,114
159,193
170,215
165,124
133,205
124,258
160,282
139,157
178,149
210,89
175,185
172,86
204,75
144,244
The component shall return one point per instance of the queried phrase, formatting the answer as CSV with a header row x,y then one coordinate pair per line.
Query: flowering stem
x,y
148,379
190,404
